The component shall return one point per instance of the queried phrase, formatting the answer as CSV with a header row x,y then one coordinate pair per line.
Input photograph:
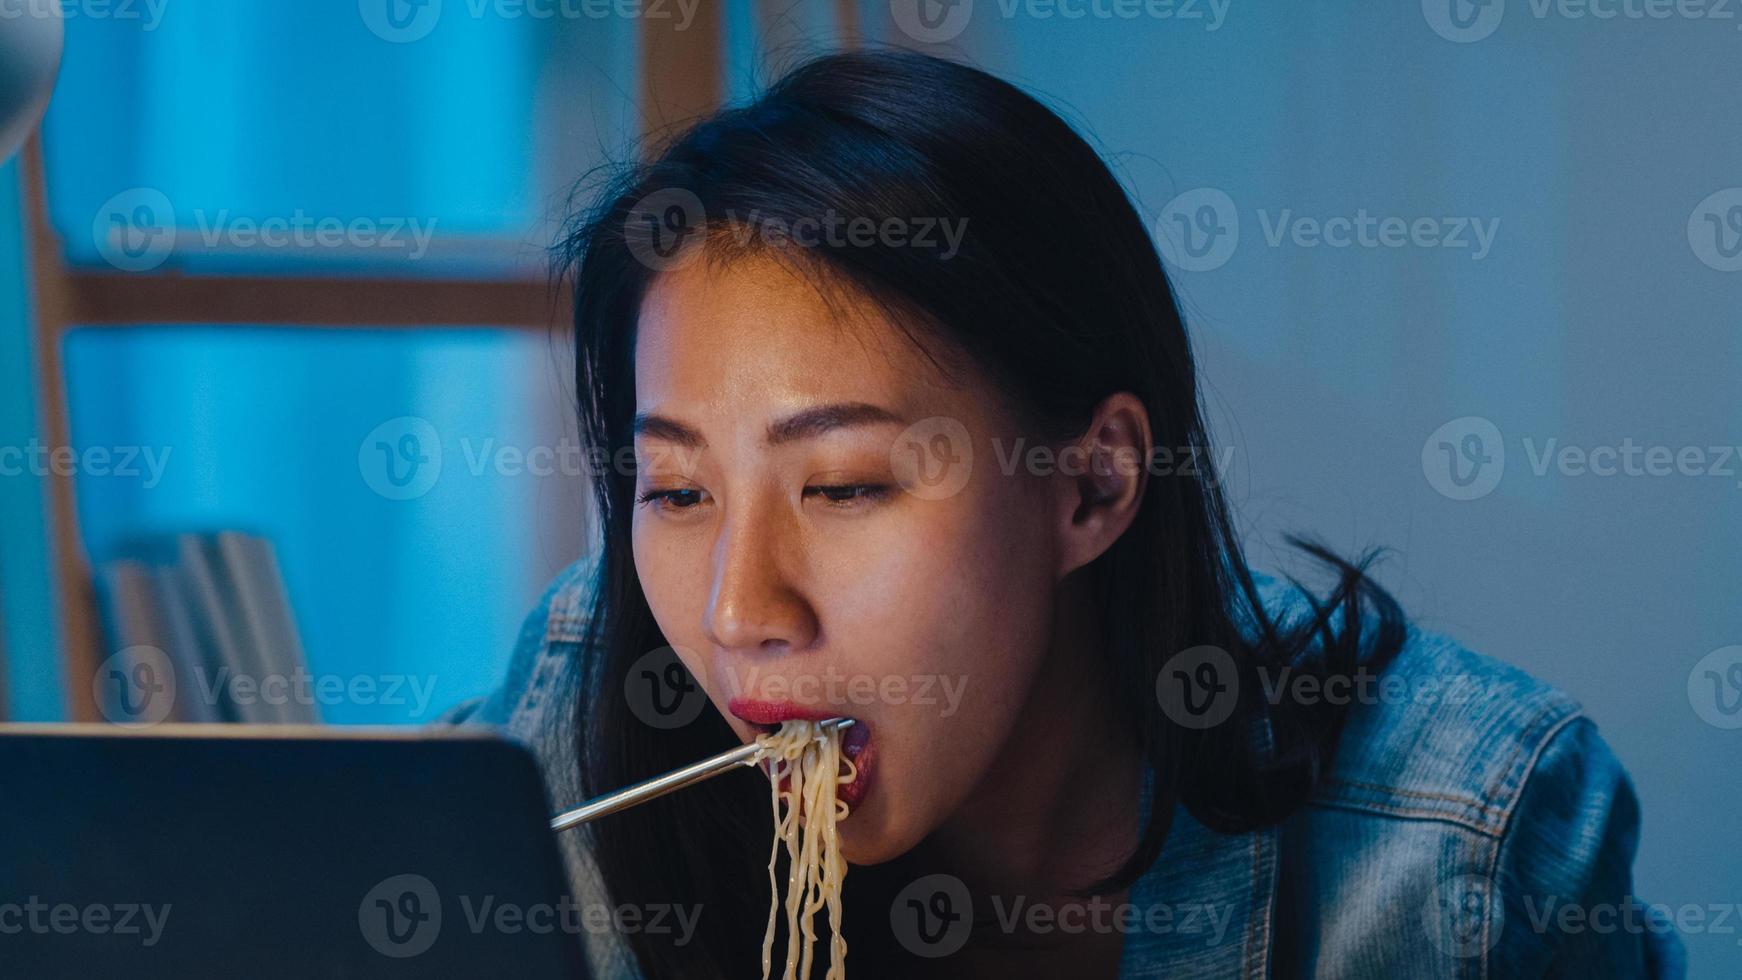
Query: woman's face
x,y
826,526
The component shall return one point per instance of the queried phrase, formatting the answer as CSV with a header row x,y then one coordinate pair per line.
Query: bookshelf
x,y
681,78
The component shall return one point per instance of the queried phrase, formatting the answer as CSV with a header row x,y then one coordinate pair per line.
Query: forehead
x,y
754,336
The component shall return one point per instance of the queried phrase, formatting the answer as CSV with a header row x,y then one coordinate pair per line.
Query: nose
x,y
754,605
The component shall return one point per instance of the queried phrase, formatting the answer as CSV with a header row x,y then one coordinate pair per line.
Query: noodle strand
x,y
808,759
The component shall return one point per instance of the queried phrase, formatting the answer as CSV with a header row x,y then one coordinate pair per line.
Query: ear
x,y
1100,480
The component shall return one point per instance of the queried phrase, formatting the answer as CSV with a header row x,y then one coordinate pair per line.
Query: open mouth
x,y
766,716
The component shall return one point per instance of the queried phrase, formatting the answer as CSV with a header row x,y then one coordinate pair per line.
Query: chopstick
x,y
671,782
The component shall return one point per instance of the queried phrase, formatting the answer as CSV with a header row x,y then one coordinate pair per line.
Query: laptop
x,y
231,851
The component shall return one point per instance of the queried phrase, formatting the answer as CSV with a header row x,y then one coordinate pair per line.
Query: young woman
x,y
905,427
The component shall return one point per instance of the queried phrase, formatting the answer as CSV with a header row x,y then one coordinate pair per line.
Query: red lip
x,y
775,712
855,742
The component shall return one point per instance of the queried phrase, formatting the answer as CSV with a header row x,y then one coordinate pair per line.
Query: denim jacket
x,y
1473,825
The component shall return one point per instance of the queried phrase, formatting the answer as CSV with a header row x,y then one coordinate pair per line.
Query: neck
x,y
1058,809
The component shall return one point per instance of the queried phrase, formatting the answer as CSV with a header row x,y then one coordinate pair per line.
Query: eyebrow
x,y
807,424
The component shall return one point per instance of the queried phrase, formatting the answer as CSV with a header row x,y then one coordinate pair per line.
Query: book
x,y
260,609
210,611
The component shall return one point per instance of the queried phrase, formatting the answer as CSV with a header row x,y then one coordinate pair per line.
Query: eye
x,y
848,495
679,499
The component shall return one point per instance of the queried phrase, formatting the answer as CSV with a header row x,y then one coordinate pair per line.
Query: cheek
x,y
649,569
958,620
953,608
942,585
670,573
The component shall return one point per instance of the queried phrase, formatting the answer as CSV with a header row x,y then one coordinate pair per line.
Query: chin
x,y
870,836
869,849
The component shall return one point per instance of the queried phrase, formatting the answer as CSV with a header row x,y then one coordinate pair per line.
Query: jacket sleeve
x,y
1565,870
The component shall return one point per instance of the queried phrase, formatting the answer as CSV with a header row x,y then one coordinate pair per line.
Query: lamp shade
x,y
30,47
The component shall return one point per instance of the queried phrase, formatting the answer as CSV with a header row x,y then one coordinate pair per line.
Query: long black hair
x,y
1058,293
